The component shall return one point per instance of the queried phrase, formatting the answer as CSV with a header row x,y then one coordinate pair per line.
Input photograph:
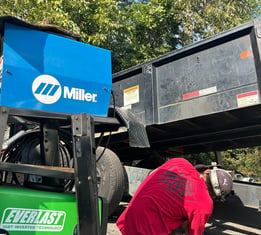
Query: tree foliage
x,y
39,11
246,160
136,30
201,158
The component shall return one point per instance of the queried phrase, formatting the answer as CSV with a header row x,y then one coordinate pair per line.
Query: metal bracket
x,y
147,69
50,149
3,123
257,23
85,174
50,143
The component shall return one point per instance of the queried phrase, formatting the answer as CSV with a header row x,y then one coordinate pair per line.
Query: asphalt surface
x,y
215,226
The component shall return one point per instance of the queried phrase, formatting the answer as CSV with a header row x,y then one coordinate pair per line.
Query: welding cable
x,y
20,149
109,137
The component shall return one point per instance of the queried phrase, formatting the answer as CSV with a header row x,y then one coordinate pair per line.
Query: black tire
x,y
111,179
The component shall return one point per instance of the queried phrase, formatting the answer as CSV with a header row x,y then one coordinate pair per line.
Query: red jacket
x,y
171,195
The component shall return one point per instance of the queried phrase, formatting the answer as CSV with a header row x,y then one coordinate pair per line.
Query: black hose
x,y
20,150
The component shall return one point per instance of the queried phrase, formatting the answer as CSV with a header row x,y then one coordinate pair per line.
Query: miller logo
x,y
46,89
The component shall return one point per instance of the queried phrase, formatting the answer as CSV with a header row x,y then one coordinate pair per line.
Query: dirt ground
x,y
215,226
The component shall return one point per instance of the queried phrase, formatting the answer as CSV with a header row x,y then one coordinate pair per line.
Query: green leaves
x,y
39,12
247,161
136,30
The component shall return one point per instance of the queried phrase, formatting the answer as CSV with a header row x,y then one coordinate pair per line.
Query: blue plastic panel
x,y
42,71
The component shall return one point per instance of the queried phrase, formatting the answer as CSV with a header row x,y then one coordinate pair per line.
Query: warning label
x,y
247,99
131,95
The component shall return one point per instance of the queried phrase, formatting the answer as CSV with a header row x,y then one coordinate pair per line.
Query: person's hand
x,y
181,230
175,233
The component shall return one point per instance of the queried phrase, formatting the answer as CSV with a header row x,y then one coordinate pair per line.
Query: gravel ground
x,y
213,227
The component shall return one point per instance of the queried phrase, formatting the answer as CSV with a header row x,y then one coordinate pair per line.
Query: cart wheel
x,y
110,175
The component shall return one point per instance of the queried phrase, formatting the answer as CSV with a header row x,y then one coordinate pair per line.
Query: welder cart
x,y
55,95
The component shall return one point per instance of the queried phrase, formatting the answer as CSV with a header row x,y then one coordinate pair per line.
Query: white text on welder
x,y
79,94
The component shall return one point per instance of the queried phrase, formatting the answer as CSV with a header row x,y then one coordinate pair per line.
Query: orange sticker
x,y
245,54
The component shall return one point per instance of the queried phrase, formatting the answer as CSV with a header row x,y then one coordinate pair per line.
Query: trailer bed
x,y
203,97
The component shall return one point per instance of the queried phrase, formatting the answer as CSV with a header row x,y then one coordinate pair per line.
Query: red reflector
x,y
247,94
191,94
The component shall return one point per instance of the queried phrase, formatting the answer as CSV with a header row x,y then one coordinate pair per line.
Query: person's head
x,y
218,181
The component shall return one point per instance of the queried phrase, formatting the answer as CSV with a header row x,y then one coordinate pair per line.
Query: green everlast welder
x,y
26,211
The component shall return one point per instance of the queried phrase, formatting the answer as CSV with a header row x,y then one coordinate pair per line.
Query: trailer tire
x,y
111,180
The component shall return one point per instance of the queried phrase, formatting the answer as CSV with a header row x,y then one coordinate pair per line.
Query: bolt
x,y
7,71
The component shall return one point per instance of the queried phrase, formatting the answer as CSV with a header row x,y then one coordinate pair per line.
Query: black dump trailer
x,y
203,97
200,98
